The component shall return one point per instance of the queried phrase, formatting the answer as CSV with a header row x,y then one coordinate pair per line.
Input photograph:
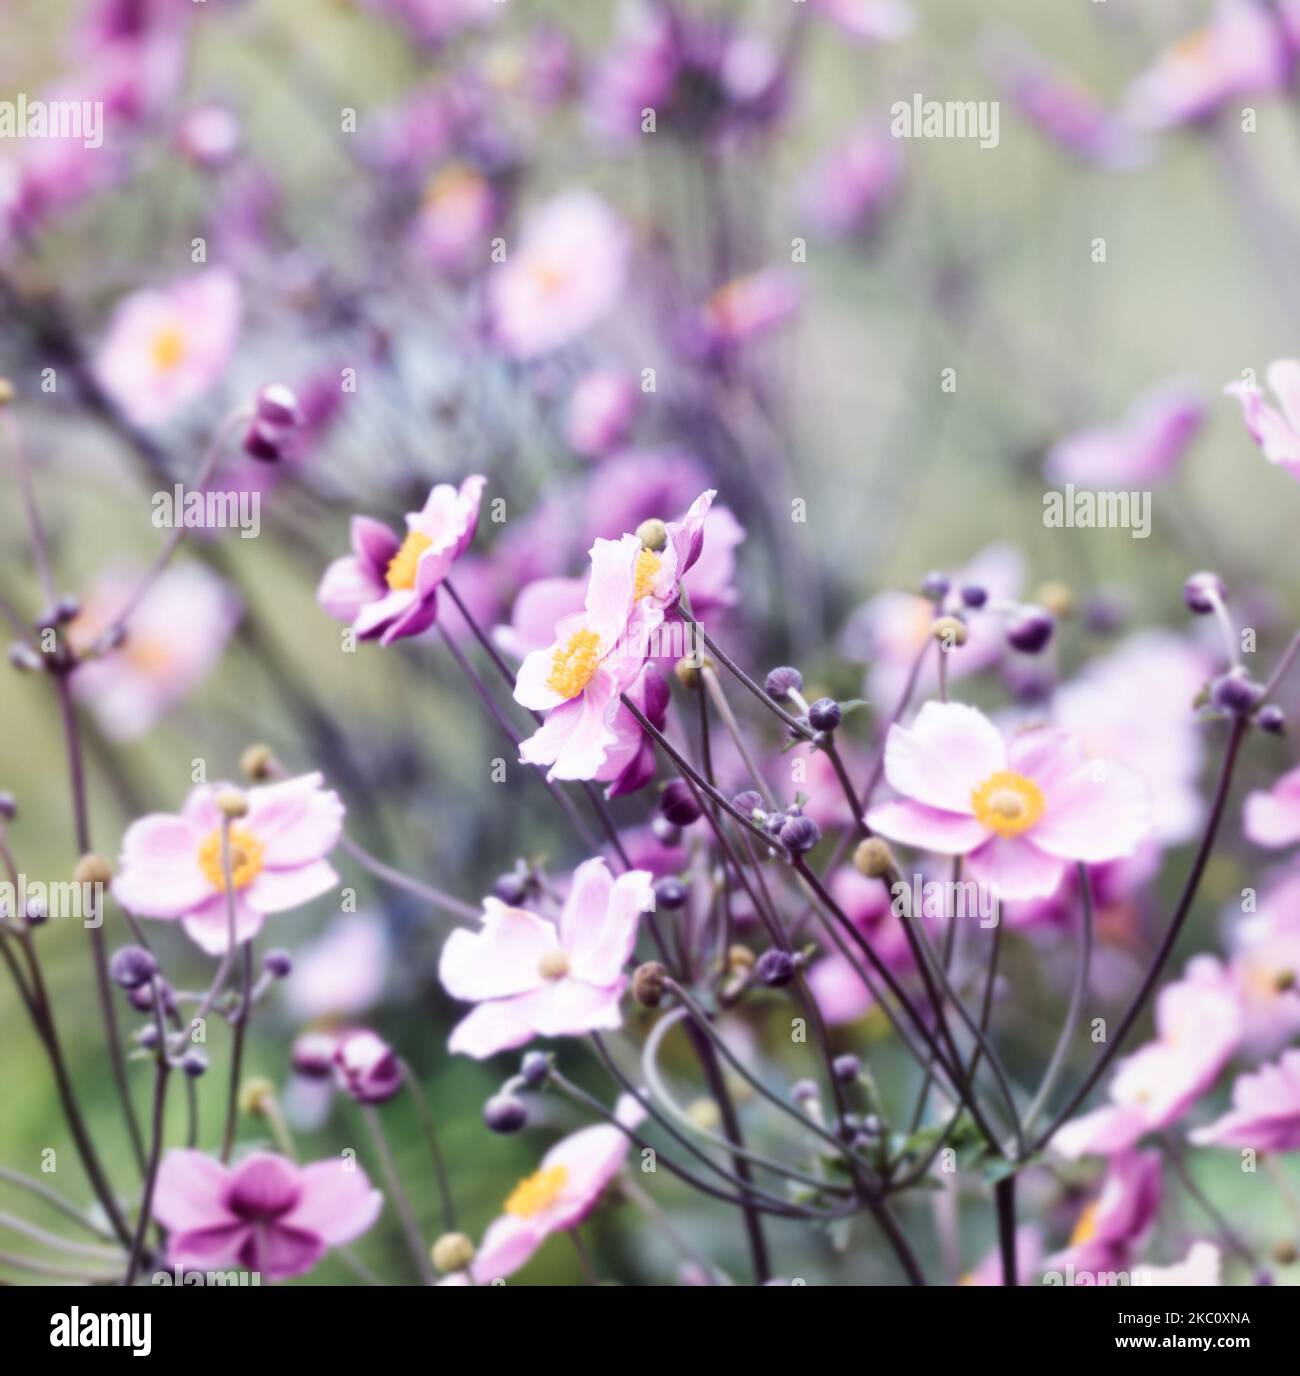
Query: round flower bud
x,y
935,586
256,762
665,832
1236,692
705,1114
825,714
278,964
799,835
775,968
1057,597
504,1113
846,1068
67,608
949,630
141,998
254,1095
1272,719
92,869
873,858
366,1067
1202,591
452,1252
535,1068
677,803
277,406
510,888
131,967
739,958
749,803
8,806
670,893
780,683
1030,629
312,1055
974,596
652,533
147,1036
194,1062
232,803
262,442
648,984
804,1091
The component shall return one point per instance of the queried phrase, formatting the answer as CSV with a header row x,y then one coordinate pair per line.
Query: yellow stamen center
x,y
1086,1228
574,664
246,853
550,279
648,564
553,965
168,348
403,564
1008,803
536,1192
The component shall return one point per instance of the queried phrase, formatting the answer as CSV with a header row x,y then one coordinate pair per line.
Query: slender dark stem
x,y
434,897
162,1073
1004,1195
238,1032
435,1148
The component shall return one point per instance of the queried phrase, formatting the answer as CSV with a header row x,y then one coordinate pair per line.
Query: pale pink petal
x,y
546,743
1273,818
501,958
277,891
499,1024
531,688
1014,868
297,820
1284,378
600,958
1103,1132
190,1190
613,580
573,1008
949,750
208,926
346,587
377,616
507,1245
337,1202
1099,812
929,828
159,874
591,1159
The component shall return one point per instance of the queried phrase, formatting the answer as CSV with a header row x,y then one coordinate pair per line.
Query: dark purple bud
x,y
194,1062
366,1068
665,832
671,893
8,806
67,608
802,1091
1272,719
147,1036
800,834
535,1068
278,964
312,1055
262,442
277,406
511,889
825,714
749,803
131,967
142,997
1202,591
1236,691
973,596
677,803
504,1113
775,968
1030,629
935,585
780,683
846,1068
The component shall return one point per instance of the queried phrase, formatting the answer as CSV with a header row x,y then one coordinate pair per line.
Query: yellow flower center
x,y
550,280
246,853
553,965
1008,803
454,183
168,348
403,564
574,664
648,564
1086,1228
536,1192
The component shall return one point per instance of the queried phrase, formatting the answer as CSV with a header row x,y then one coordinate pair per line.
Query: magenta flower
x,y
1020,812
1265,1111
849,190
1114,1224
171,867
869,21
166,348
266,1214
388,588
565,275
531,978
1266,967
366,1067
1273,819
1198,1027
744,309
559,1195
1145,447
600,411
1276,432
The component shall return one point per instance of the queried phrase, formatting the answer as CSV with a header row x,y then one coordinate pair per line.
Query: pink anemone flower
x,y
1020,812
531,978
1265,1111
165,348
266,1214
388,588
563,1190
171,867
1276,432
1273,819
1145,447
1116,1222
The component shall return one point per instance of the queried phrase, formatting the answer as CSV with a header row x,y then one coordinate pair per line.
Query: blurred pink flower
x,y
869,21
1276,432
455,217
835,984
566,273
558,1196
1265,1111
176,635
600,411
1272,818
1020,812
342,973
1029,1260
165,348
744,309
266,1214
389,589
1198,1027
1242,50
1114,1224
171,866
1266,966
529,978
855,183
435,22
1144,448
